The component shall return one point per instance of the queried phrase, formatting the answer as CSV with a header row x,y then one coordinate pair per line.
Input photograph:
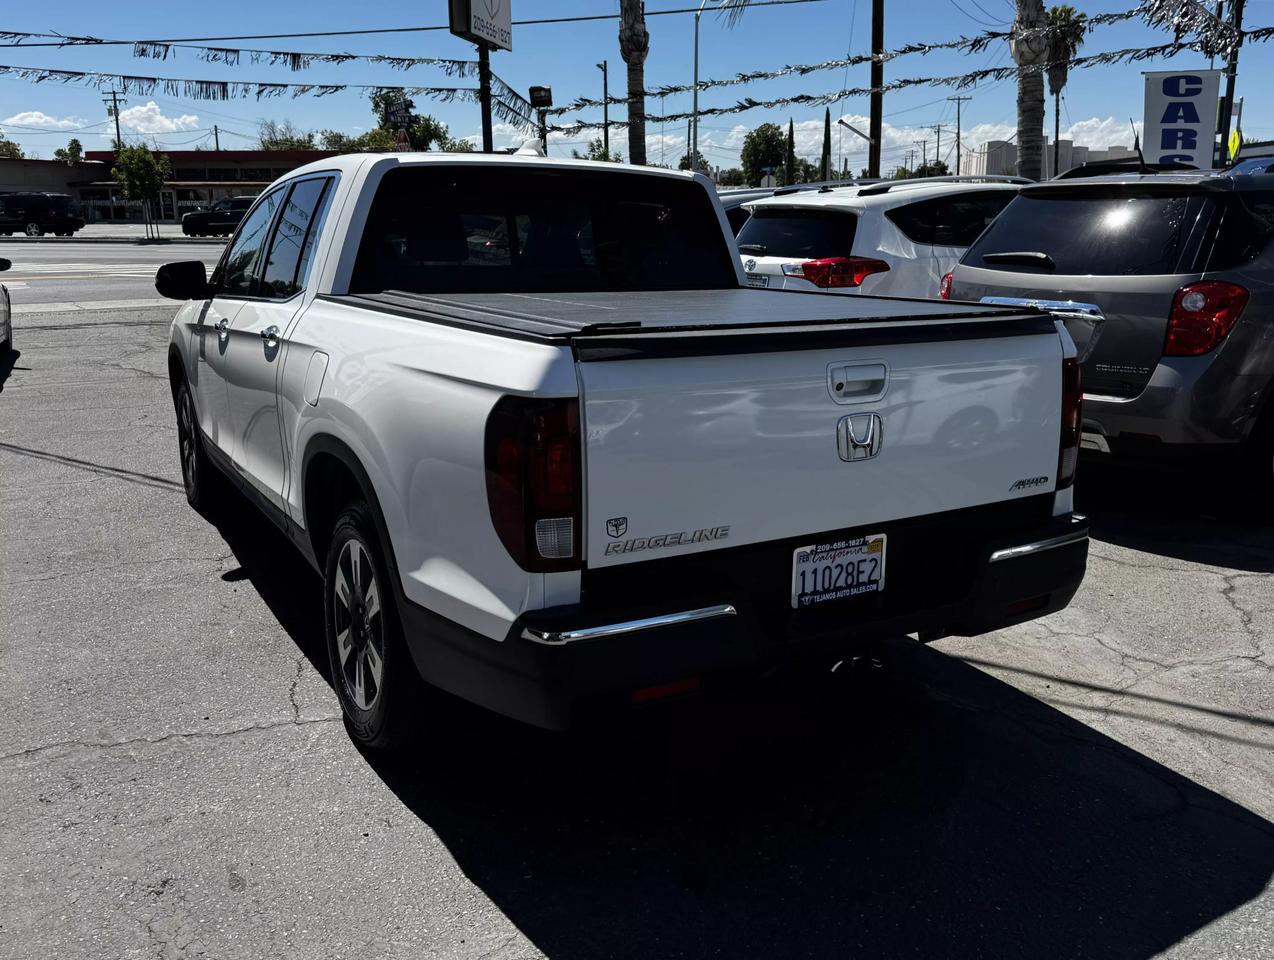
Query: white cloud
x,y
37,118
1099,133
150,119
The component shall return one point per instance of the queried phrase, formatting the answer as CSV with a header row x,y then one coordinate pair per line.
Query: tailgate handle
x,y
857,382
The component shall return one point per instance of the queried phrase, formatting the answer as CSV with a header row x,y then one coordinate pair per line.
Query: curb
x,y
137,241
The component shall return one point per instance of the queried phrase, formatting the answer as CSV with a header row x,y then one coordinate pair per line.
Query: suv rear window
x,y
440,229
1097,233
799,234
953,221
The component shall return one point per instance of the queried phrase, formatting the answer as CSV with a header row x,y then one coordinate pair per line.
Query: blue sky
x,y
1098,101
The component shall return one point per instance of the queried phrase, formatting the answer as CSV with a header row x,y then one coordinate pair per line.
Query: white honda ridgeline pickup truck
x,y
551,454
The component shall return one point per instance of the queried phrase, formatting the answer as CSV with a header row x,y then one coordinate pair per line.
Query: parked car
x,y
895,238
585,470
219,220
6,313
36,214
734,199
1181,268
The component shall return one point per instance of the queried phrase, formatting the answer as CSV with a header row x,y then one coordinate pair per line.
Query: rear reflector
x,y
1203,314
836,271
664,690
944,288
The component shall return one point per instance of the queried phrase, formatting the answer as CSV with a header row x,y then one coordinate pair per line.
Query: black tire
x,y
381,711
1258,462
205,486
34,230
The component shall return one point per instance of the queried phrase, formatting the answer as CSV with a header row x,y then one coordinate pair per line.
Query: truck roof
x,y
636,315
350,162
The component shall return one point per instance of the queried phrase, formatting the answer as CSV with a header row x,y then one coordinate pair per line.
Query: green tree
x,y
73,152
1066,33
8,149
282,135
934,168
596,150
423,133
789,161
378,140
900,173
732,178
700,164
825,161
806,172
140,175
762,150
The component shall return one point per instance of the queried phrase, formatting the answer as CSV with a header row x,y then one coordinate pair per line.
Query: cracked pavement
x,y
177,783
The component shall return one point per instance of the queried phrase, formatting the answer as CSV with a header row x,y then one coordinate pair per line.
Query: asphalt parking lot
x,y
177,781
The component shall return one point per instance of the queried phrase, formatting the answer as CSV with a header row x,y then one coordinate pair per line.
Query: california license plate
x,y
834,571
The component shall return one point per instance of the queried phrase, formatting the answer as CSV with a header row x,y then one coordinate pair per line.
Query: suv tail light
x,y
534,482
1072,420
944,288
1203,314
836,271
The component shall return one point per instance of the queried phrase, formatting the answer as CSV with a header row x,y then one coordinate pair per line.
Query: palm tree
x,y
1030,47
1066,33
634,44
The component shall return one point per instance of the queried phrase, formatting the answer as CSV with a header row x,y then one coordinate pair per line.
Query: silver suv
x,y
1181,268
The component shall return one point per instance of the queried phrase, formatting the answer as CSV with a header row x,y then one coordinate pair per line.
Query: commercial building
x,y
199,178
999,157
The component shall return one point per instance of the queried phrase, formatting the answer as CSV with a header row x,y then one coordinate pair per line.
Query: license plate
x,y
758,280
833,571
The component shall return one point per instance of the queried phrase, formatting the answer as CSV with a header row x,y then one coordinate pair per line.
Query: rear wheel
x,y
372,670
34,230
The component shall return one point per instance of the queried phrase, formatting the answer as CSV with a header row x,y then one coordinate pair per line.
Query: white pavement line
x,y
70,306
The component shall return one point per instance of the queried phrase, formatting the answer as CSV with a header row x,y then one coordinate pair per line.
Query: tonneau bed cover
x,y
631,316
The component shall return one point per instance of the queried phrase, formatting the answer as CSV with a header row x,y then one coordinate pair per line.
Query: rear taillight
x,y
534,485
944,288
836,271
1203,314
1072,420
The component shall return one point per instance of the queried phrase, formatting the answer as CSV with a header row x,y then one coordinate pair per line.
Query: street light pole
x,y
604,67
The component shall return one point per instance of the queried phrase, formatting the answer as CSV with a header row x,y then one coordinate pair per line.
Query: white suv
x,y
897,238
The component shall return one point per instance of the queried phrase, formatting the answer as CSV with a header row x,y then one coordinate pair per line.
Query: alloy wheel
x,y
187,441
33,230
359,624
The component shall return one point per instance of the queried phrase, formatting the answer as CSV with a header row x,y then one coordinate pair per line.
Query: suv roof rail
x,y
886,186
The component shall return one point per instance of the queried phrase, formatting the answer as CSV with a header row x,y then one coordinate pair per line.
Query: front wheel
x,y
34,230
372,670
199,477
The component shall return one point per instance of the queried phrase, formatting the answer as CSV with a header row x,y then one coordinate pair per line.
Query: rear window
x,y
1244,230
500,230
799,234
952,221
1097,234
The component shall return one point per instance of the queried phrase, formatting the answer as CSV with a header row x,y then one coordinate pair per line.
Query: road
x,y
177,782
51,275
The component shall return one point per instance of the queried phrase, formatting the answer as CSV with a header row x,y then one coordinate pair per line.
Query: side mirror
x,y
185,280
5,264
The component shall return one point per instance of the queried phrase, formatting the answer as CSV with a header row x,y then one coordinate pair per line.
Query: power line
x,y
74,41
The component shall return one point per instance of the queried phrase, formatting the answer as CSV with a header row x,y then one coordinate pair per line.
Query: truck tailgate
x,y
687,453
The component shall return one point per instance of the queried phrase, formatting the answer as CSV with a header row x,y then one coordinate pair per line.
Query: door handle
x,y
222,327
270,334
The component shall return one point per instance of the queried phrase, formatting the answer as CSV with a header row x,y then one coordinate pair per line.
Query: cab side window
x,y
241,268
292,247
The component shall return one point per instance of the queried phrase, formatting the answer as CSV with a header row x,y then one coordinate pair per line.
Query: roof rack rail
x,y
888,185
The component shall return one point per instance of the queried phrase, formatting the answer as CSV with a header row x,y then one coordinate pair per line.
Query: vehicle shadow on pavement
x,y
922,810
8,361
1183,515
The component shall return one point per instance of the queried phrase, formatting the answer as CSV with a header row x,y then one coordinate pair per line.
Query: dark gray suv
x,y
1181,268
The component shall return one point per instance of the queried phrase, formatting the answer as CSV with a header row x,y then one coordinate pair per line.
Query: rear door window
x,y
1096,232
951,221
798,234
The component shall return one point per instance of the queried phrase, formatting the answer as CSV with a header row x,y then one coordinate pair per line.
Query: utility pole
x,y
216,137
484,95
958,101
1231,75
604,67
937,150
924,156
877,81
113,109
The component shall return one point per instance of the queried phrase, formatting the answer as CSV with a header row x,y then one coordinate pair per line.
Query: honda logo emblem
x,y
859,436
